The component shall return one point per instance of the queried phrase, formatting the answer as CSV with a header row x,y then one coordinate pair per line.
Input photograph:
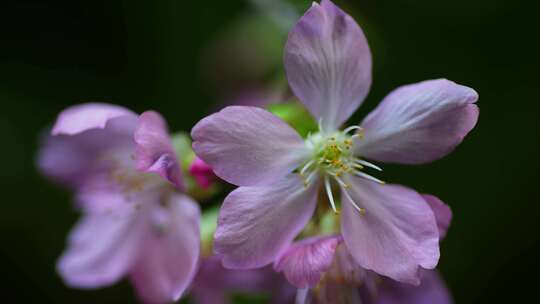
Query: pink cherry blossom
x,y
388,229
136,222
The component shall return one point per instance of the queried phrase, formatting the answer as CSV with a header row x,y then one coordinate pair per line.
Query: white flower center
x,y
332,157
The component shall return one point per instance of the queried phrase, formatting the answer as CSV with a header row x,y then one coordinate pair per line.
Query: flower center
x,y
332,157
132,183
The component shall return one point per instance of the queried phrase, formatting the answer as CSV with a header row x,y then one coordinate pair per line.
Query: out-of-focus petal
x,y
99,194
167,262
101,249
331,292
83,117
397,234
419,123
345,269
303,296
248,146
432,290
154,151
305,261
215,284
443,213
256,224
71,159
328,63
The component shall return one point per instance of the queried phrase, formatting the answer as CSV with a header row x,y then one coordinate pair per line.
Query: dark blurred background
x,y
172,56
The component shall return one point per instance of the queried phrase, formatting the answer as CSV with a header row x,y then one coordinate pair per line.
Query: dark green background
x,y
151,55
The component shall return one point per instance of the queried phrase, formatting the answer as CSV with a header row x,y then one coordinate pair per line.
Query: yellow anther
x,y
360,133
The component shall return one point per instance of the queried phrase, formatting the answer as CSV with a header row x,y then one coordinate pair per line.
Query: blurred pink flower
x,y
136,221
389,229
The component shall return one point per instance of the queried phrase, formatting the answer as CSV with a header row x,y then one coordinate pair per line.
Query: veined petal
x,y
443,213
167,261
432,290
395,236
419,123
248,146
256,224
154,151
83,117
305,261
328,63
101,249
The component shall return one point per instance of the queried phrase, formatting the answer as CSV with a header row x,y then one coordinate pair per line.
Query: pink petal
x,y
101,249
344,269
431,291
167,261
331,292
256,224
443,213
83,117
303,296
71,159
419,123
98,194
215,284
396,235
154,151
248,146
305,261
328,63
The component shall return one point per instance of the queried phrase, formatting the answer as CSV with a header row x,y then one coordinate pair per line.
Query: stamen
x,y
341,182
361,210
349,129
357,165
307,180
369,177
309,164
368,164
329,193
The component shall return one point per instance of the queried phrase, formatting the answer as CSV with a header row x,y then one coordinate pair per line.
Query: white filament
x,y
349,129
361,210
329,193
368,177
368,164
